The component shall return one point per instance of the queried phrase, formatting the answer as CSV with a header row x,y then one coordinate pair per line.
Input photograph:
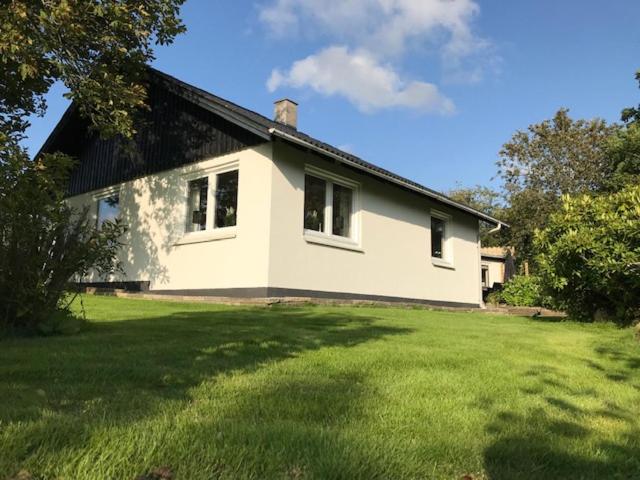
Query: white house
x,y
222,201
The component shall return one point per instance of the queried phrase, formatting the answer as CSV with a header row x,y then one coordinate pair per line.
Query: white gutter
x,y
435,195
497,229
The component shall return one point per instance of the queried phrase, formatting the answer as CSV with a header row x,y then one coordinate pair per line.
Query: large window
x,y
329,206
108,209
212,202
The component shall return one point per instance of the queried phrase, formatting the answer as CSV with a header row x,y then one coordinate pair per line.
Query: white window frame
x,y
326,237
447,243
210,232
104,194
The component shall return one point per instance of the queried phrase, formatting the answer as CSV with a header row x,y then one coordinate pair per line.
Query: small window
x,y
108,209
315,197
197,205
485,276
342,210
226,199
438,226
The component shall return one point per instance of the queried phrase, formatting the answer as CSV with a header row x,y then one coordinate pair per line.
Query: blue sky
x,y
429,89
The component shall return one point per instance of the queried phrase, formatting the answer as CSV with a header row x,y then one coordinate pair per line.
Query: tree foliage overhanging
x,y
98,50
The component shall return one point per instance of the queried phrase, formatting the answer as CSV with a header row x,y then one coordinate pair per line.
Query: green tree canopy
x,y
558,156
623,150
96,48
551,158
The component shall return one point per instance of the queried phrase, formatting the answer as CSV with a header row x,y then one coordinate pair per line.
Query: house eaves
x,y
359,164
268,130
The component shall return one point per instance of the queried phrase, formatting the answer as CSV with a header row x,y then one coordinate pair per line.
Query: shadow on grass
x,y
539,444
121,372
292,428
540,448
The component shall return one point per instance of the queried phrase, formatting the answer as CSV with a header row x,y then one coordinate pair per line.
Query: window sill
x,y
438,262
332,241
207,236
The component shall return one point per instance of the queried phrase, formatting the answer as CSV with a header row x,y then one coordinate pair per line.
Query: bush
x,y
589,256
524,291
494,298
44,243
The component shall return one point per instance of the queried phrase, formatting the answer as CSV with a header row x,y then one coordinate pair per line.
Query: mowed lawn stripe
x,y
319,392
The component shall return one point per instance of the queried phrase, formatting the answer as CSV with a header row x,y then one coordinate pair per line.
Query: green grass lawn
x,y
319,392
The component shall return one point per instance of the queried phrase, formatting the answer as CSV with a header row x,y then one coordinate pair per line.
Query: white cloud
x,y
360,78
375,34
384,26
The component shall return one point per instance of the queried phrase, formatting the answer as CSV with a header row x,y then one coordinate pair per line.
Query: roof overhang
x,y
388,177
493,257
263,128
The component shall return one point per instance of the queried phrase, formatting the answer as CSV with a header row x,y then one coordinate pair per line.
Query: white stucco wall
x,y
154,207
395,251
269,249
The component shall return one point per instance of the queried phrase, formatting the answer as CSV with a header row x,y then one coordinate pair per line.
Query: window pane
x,y
226,199
314,203
197,206
437,237
108,209
342,209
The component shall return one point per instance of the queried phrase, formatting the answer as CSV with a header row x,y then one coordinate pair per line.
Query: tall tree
x,y
632,114
98,49
557,156
552,158
624,150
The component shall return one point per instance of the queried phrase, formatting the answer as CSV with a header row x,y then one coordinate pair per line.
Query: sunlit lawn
x,y
319,392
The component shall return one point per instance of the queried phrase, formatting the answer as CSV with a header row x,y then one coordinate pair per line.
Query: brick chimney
x,y
286,112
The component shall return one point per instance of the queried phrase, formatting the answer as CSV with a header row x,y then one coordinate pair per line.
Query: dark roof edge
x,y
493,257
391,178
257,123
266,129
56,130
